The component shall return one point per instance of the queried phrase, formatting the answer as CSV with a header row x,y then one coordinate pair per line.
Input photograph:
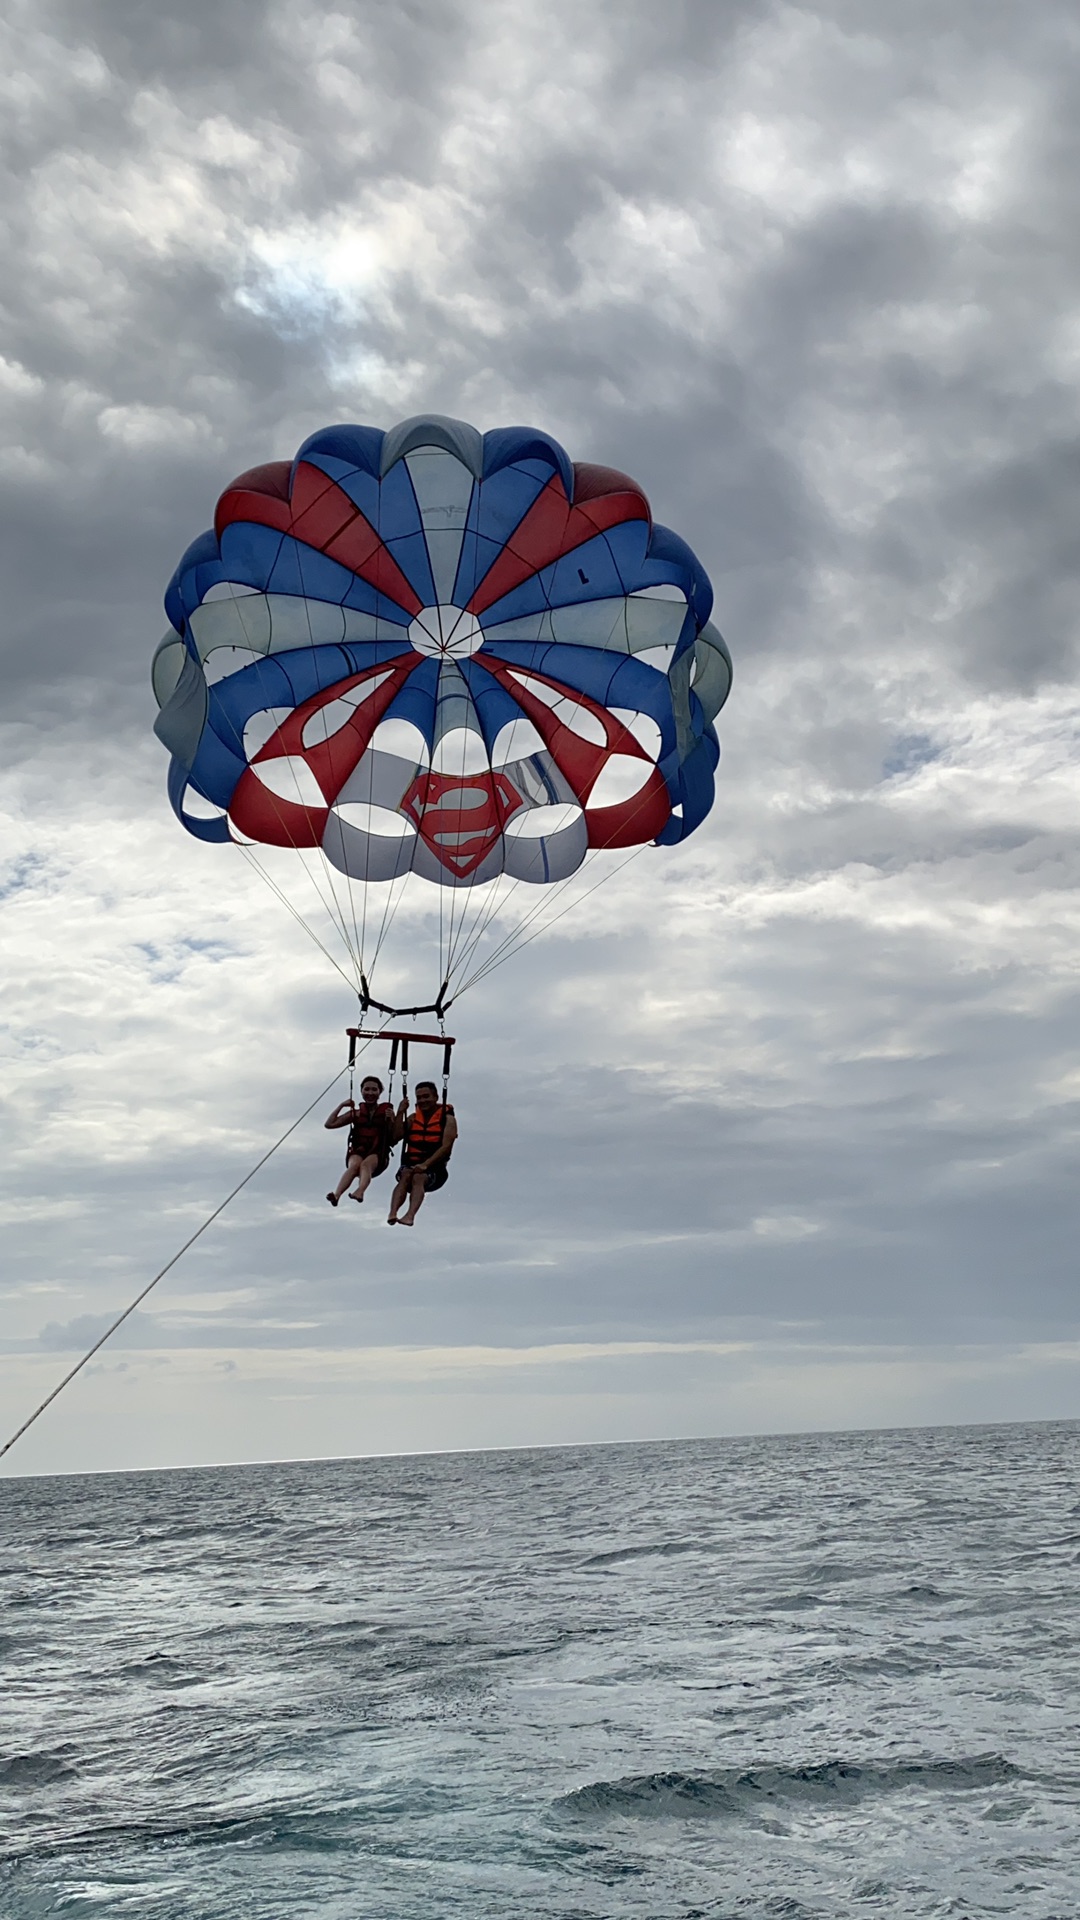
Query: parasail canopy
x,y
438,652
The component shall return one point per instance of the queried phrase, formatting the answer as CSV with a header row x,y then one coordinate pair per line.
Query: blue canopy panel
x,y
495,708
216,768
611,679
526,446
692,789
670,561
352,449
277,680
196,567
608,566
418,699
271,562
401,529
497,506
178,784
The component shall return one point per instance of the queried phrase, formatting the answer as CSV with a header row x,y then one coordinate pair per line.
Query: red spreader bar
x,y
400,1039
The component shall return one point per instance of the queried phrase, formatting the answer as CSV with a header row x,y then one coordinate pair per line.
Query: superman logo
x,y
461,817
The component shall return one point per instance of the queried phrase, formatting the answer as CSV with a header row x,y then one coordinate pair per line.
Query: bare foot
x,y
357,1196
332,1197
391,1220
406,1220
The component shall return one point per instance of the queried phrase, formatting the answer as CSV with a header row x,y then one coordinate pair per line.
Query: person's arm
x,y
442,1151
344,1113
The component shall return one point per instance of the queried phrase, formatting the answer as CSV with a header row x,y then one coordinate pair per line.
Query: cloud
x,y
810,276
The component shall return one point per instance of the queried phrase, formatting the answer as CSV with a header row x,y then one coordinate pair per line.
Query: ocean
x,y
826,1676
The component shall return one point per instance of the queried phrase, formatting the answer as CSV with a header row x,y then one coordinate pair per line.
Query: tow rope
x,y
167,1268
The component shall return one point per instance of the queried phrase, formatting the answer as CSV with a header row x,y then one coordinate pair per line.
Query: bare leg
x,y
400,1190
365,1175
352,1168
417,1191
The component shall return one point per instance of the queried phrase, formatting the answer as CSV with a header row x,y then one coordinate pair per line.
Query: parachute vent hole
x,y
373,819
290,778
517,740
537,823
261,728
222,662
201,809
619,780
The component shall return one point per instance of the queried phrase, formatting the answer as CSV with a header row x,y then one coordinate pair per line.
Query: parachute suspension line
x,y
495,958
493,908
358,954
337,922
336,919
485,913
443,967
507,947
363,899
389,913
361,933
499,957
169,1264
332,912
446,959
489,906
468,943
322,850
532,914
338,914
384,923
287,903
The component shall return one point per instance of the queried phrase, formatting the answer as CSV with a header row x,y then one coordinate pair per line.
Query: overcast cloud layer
x,y
780,1129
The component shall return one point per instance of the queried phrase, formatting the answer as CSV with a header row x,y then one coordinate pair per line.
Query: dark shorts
x,y
382,1166
434,1178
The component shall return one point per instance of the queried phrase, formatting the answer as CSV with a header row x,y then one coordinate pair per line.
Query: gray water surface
x,y
828,1676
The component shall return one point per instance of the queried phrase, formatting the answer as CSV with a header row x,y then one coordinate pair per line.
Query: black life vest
x,y
370,1132
424,1136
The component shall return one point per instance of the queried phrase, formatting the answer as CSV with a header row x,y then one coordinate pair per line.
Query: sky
x,y
777,1130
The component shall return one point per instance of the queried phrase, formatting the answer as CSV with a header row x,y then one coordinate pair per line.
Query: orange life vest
x,y
423,1136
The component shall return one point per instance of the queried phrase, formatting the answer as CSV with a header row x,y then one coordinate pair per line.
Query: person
x,y
373,1131
429,1136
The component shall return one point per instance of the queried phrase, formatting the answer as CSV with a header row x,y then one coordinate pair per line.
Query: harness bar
x,y
399,1039
438,1006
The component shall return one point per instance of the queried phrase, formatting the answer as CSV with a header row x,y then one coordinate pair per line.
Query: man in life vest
x,y
373,1132
429,1136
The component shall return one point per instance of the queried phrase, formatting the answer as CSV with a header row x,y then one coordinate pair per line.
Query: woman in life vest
x,y
373,1132
429,1135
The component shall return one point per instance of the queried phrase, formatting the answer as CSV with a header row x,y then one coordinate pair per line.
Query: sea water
x,y
831,1676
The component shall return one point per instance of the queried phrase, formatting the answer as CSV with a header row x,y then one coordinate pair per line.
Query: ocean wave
x,y
646,1550
35,1769
163,1670
734,1793
389,1723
